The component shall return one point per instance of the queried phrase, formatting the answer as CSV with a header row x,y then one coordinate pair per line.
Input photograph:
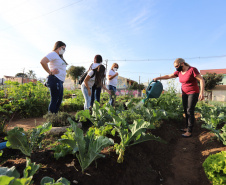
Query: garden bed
x,y
177,162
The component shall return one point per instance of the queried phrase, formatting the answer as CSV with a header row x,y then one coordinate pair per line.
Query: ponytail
x,y
181,60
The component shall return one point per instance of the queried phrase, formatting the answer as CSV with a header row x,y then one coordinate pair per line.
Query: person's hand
x,y
154,79
116,74
54,71
89,92
201,96
109,92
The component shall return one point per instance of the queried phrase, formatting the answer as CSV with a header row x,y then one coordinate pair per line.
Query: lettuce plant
x,y
215,168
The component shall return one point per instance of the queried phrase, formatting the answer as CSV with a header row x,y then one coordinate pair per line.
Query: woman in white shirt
x,y
94,76
112,80
55,65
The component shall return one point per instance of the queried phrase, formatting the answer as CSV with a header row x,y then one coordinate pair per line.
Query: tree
x,y
21,75
211,80
136,86
75,72
31,74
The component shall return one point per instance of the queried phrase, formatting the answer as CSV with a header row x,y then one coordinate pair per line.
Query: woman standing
x,y
94,76
188,77
55,65
96,90
112,80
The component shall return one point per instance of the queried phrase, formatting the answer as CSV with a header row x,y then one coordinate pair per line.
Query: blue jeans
x,y
56,91
95,94
86,96
112,95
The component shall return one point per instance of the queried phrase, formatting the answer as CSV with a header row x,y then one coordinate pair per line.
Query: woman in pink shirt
x,y
188,77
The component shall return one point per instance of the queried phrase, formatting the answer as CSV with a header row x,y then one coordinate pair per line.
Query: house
x,y
219,92
124,83
20,80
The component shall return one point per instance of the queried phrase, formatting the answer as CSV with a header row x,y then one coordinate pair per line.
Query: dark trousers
x,y
56,91
112,95
189,103
95,94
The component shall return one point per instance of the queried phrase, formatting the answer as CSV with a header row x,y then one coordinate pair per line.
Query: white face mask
x,y
115,69
61,52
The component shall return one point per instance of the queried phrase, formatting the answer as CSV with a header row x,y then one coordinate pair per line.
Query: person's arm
x,y
44,62
110,77
166,77
202,86
86,84
105,88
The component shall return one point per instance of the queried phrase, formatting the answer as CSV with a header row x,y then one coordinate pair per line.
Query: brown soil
x,y
179,162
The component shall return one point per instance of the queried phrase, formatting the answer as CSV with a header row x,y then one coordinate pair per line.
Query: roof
x,y
217,71
9,76
219,87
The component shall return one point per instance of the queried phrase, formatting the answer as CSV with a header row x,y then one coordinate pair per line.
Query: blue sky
x,y
116,29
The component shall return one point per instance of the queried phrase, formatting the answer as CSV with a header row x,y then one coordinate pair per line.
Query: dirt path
x,y
26,124
187,162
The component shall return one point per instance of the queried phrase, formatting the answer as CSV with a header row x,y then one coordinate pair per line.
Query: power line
x,y
191,58
41,15
16,7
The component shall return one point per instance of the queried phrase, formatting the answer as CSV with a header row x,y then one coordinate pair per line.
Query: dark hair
x,y
57,45
100,74
98,59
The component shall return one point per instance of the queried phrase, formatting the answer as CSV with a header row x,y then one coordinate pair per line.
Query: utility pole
x,y
105,72
139,86
106,64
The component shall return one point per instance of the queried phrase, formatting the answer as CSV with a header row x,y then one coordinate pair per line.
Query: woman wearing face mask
x,y
112,80
96,91
55,65
188,77
94,76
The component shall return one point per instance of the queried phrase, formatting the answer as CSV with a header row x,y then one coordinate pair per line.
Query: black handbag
x,y
83,76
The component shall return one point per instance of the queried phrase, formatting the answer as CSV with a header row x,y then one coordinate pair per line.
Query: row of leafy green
x,y
31,100
10,176
106,119
214,118
26,142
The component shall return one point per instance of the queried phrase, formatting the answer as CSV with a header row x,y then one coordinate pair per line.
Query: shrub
x,y
58,119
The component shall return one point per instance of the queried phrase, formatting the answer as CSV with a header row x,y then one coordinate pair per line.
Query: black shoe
x,y
186,136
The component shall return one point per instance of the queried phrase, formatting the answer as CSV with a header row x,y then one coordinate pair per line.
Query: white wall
x,y
219,95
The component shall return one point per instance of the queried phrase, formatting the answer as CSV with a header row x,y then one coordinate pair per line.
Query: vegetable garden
x,y
131,143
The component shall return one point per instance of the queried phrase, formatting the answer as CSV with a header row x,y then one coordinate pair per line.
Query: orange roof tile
x,y
217,71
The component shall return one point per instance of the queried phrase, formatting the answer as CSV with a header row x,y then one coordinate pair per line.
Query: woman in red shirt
x,y
188,77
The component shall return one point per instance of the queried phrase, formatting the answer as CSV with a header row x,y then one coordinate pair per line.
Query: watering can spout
x,y
143,101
